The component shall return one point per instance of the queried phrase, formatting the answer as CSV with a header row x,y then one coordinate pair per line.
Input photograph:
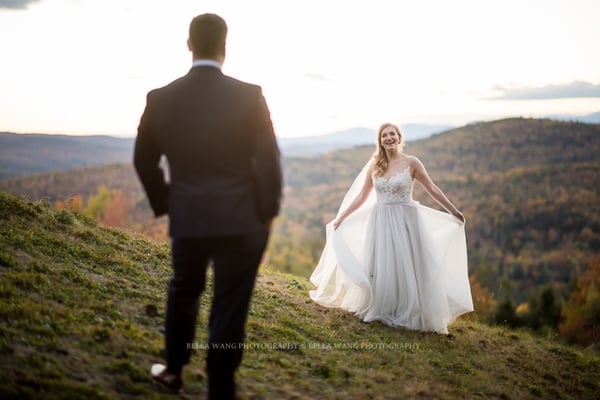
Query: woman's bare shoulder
x,y
413,159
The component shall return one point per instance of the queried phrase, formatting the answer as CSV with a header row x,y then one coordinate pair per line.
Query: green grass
x,y
82,308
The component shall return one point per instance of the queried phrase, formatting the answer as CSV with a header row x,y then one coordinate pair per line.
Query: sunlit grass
x,y
82,310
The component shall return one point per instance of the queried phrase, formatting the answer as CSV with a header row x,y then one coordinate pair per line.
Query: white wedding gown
x,y
395,260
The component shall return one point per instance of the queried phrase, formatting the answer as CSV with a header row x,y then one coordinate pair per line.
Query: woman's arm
x,y
357,202
421,175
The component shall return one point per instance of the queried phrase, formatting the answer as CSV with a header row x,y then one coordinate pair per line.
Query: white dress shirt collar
x,y
203,62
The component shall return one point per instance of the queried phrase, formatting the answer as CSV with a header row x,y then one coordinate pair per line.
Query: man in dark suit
x,y
223,192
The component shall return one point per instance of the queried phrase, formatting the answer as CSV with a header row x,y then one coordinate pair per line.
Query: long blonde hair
x,y
380,158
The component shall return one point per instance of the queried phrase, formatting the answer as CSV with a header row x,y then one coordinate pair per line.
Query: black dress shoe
x,y
170,381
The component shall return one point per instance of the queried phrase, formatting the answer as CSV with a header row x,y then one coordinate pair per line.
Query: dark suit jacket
x,y
224,163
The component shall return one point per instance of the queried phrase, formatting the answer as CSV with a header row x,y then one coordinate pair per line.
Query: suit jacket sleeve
x,y
146,159
266,163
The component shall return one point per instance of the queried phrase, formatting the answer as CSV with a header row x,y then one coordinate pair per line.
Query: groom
x,y
223,192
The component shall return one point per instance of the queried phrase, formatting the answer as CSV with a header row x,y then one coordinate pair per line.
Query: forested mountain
x,y
23,154
530,190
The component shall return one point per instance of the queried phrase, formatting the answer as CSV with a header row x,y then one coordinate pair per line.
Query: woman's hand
x,y
459,215
357,202
337,223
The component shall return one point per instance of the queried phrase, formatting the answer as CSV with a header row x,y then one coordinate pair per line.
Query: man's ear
x,y
189,44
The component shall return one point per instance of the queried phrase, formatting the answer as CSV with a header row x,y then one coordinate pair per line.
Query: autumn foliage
x,y
529,189
582,311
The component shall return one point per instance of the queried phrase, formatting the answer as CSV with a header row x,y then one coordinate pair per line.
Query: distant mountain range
x,y
348,138
23,154
593,118
312,145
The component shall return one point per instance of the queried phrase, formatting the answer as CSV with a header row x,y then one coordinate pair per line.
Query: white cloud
x,y
315,76
566,91
16,4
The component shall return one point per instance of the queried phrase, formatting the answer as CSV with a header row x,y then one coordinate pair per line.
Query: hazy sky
x,y
85,66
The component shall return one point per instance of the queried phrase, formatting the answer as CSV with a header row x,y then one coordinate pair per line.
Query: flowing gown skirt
x,y
401,263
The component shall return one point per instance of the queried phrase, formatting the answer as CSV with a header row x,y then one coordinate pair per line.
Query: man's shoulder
x,y
242,84
171,85
157,92
226,82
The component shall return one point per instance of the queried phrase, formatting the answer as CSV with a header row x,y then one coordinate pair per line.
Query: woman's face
x,y
389,138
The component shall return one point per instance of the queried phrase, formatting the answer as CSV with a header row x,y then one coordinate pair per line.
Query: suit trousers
x,y
235,265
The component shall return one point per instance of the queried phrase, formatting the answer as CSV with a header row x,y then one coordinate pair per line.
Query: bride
x,y
389,258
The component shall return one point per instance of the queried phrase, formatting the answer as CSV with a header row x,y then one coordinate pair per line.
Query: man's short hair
x,y
208,33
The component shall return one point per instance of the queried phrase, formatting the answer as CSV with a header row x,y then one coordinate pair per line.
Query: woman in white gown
x,y
389,258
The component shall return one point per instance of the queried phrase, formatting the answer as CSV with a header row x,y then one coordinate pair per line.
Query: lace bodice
x,y
396,189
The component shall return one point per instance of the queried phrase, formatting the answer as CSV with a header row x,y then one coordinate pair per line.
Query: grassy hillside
x,y
82,308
